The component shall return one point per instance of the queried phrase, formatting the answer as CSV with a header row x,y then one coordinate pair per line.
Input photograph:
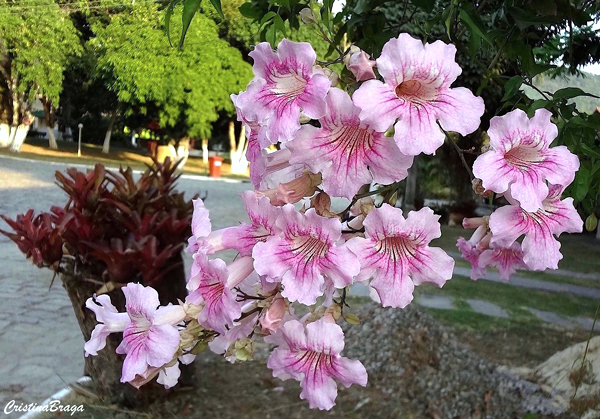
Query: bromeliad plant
x,y
114,230
330,143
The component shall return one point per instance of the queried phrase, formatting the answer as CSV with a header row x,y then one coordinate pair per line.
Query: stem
x,y
365,194
587,345
460,152
248,314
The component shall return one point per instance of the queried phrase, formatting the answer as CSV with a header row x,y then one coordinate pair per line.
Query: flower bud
x,y
272,319
241,350
293,191
360,65
353,50
591,222
332,76
307,16
478,188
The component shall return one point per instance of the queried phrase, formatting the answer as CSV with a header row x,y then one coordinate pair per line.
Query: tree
x,y
188,87
36,40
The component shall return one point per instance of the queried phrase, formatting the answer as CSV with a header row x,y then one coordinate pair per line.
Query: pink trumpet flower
x,y
285,84
540,248
346,151
305,255
506,259
396,254
521,161
151,338
416,94
212,283
311,355
262,224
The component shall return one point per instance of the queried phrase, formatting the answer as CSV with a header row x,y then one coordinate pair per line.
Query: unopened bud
x,y
591,222
351,318
307,16
334,310
321,202
241,350
199,348
332,76
353,49
478,188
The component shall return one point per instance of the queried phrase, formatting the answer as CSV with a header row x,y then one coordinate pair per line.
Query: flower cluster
x,y
532,176
330,144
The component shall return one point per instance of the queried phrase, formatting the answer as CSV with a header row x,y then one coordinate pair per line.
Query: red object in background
x,y
214,166
151,146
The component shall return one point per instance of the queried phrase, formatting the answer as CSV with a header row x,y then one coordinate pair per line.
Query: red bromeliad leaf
x,y
37,237
122,228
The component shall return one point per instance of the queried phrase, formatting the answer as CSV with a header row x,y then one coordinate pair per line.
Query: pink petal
x,y
201,225
459,101
380,107
432,264
417,131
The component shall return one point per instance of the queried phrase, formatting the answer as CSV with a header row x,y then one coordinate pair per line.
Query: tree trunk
x,y
410,193
14,145
239,164
4,135
111,123
18,136
105,368
205,150
49,120
51,139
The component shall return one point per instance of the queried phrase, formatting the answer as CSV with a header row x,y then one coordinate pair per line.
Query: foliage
x,y
121,229
194,82
501,46
37,39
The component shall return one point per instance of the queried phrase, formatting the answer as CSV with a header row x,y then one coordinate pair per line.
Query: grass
x,y
513,299
581,253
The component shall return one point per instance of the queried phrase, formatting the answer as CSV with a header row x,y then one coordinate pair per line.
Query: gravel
x,y
419,362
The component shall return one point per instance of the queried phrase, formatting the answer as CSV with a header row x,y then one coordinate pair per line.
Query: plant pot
x,y
105,368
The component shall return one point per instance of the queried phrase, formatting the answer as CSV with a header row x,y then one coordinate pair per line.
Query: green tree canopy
x,y
193,83
37,39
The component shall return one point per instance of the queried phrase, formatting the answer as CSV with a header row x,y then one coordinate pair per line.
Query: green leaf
x,y
582,183
511,87
426,5
190,7
279,25
589,151
537,104
267,17
168,15
571,92
217,5
271,35
247,10
469,16
429,23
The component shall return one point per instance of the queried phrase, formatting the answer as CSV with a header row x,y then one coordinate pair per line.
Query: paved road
x,y
41,347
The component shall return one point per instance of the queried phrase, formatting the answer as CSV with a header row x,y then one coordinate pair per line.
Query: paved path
x,y
41,347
